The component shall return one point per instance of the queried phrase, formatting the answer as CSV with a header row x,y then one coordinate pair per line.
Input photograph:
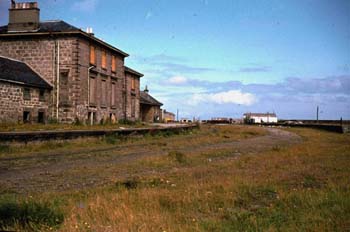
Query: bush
x,y
30,215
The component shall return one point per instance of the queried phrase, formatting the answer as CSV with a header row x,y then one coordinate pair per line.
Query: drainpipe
x,y
58,78
88,97
125,95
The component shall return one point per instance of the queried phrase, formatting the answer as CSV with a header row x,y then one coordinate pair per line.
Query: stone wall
x,y
12,103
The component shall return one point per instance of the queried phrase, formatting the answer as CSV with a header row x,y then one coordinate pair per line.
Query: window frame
x,y
133,83
42,95
103,59
104,98
27,94
92,54
113,94
114,64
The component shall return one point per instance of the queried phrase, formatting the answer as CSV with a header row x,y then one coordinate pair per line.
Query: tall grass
x,y
303,187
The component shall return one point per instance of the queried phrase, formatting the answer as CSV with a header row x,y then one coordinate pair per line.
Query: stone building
x,y
87,75
24,94
168,116
150,107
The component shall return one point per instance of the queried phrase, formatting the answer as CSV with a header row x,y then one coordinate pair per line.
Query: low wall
x,y
28,136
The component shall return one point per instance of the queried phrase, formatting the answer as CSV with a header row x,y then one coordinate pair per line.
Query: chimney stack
x,y
23,16
146,89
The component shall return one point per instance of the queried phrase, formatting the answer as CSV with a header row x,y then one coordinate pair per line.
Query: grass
x,y
5,127
29,215
302,187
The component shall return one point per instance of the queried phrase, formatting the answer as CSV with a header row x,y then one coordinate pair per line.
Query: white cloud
x,y
85,5
149,15
231,96
177,80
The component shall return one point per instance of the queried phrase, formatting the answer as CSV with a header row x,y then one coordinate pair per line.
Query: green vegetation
x,y
77,125
192,182
29,214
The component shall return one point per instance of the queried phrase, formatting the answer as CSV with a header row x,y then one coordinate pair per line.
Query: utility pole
x,y
177,115
317,114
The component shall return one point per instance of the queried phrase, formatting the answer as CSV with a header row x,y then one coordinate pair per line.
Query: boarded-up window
x,y
114,64
92,90
26,94
64,93
104,60
133,83
104,93
41,95
133,106
113,100
92,55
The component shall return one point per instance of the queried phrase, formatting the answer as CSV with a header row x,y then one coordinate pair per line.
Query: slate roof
x,y
17,72
58,27
147,99
129,70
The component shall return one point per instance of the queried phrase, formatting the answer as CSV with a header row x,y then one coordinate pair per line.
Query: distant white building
x,y
260,118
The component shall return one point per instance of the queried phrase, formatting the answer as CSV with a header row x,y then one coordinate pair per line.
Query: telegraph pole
x,y
177,115
317,113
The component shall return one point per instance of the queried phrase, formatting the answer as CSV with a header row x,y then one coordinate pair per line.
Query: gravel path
x,y
60,171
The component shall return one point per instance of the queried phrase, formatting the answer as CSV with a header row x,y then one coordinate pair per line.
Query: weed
x,y
132,183
4,148
29,215
253,198
311,182
276,148
178,156
112,138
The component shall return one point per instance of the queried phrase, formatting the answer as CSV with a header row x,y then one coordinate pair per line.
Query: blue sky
x,y
211,58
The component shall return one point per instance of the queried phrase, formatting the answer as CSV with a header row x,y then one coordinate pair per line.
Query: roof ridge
x,y
13,59
52,20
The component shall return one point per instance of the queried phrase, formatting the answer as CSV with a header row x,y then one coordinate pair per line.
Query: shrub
x,y
30,215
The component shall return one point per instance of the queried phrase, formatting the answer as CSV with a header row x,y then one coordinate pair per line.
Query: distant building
x,y
168,116
150,110
260,118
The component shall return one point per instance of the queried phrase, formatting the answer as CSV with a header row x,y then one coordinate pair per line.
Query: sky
x,y
222,58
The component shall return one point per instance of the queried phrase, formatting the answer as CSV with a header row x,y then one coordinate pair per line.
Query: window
x,y
133,106
92,91
41,117
26,94
64,92
113,94
42,95
26,116
104,93
114,64
92,55
132,83
104,60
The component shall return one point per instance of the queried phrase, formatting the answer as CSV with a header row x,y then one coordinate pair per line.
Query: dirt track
x,y
79,169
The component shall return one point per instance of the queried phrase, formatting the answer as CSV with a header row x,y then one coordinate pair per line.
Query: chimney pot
x,y
23,16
